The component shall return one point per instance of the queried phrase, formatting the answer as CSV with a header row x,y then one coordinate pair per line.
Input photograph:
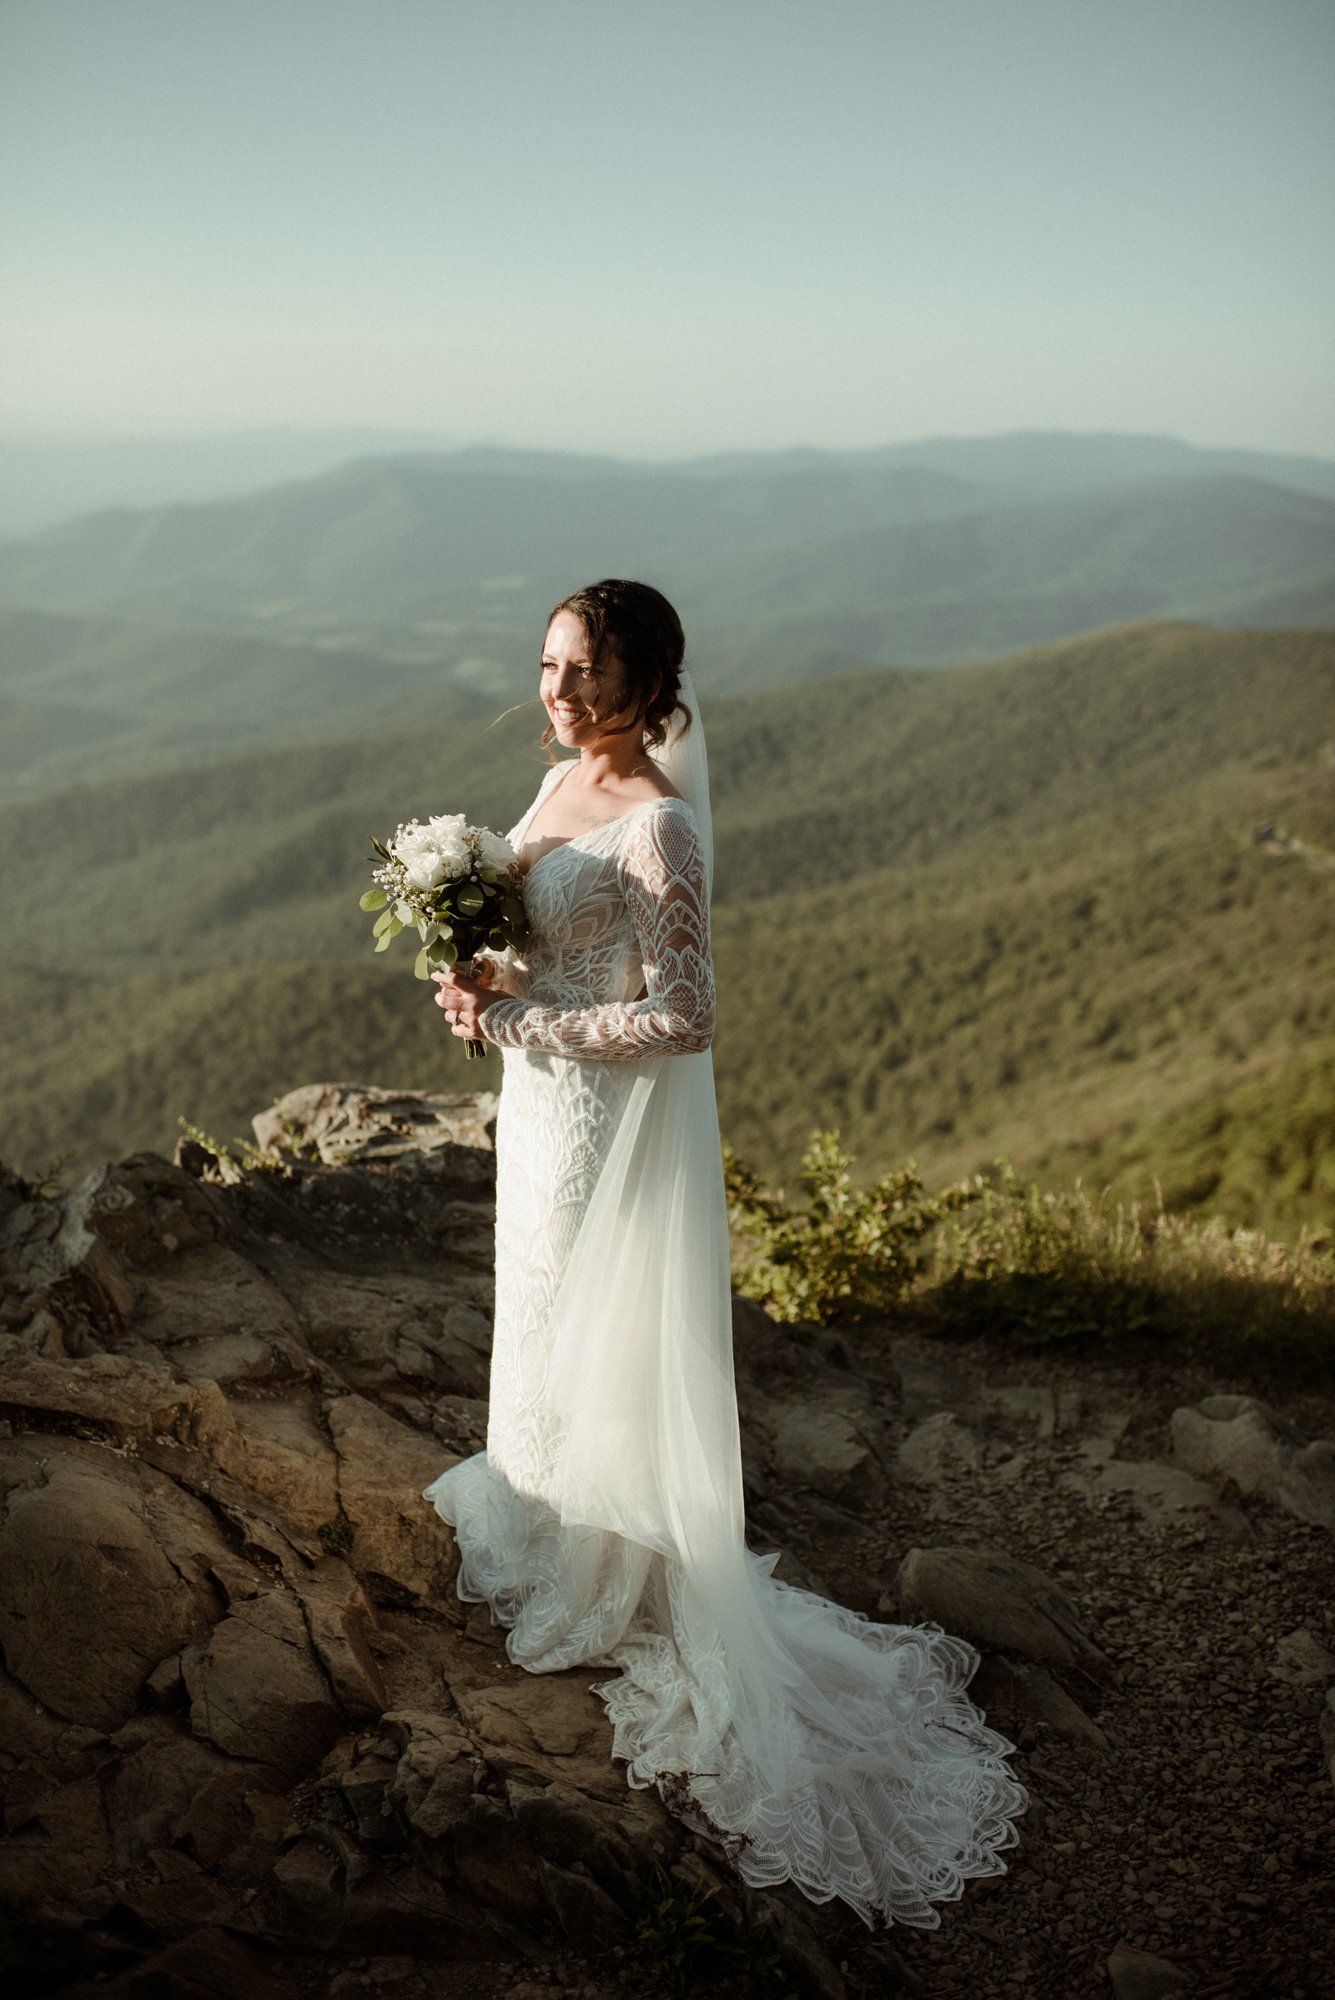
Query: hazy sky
x,y
666,226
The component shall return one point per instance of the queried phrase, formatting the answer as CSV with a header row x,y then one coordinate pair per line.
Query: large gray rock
x,y
90,1599
437,1771
1300,1660
341,1622
48,1247
400,1548
1029,1693
994,1600
168,1789
1237,1438
334,1122
1166,1496
937,1447
278,1448
827,1446
128,1401
257,1692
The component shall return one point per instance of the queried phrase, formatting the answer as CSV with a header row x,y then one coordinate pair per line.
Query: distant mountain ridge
x,y
787,568
47,480
85,698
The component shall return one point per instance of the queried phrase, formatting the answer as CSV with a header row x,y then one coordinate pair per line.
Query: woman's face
x,y
580,699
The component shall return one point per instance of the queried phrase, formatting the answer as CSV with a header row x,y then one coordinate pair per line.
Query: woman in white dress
x,y
604,1522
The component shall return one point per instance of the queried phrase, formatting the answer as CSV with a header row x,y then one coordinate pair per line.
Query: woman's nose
x,y
565,683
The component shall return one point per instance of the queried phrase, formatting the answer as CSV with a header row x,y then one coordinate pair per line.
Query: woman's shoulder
x,y
658,833
665,806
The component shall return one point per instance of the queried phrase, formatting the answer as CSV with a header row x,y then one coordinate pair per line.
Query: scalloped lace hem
x,y
848,1759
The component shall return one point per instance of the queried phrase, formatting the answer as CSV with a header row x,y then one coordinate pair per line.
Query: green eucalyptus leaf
x,y
382,923
421,966
374,899
383,943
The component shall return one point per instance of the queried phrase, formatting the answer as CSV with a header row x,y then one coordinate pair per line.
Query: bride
x,y
604,1522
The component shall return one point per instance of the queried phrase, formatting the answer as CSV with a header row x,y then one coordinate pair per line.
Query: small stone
x,y
1301,1660
1142,1975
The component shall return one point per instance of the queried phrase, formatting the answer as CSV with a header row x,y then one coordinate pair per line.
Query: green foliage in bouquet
x,y
467,916
457,885
852,1252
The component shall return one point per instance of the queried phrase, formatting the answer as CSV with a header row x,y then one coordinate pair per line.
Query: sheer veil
x,y
684,760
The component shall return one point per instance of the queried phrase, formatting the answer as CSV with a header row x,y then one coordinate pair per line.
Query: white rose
x,y
494,852
419,851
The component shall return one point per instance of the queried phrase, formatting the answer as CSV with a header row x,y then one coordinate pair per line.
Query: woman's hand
x,y
463,999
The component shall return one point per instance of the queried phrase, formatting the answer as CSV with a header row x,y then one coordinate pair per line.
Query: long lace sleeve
x,y
662,877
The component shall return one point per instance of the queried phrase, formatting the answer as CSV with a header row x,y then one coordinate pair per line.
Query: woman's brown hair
x,y
635,625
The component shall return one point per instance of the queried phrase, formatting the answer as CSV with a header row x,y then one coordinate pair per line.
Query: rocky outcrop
x,y
253,1742
248,1723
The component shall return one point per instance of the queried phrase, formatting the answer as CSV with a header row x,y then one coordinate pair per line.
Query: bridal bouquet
x,y
457,885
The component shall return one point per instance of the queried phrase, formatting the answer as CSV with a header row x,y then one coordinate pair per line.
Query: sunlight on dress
x,y
604,1523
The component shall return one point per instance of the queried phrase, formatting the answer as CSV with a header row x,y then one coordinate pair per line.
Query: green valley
x,y
1016,908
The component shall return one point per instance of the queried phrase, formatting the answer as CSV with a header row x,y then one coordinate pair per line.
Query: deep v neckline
x,y
588,832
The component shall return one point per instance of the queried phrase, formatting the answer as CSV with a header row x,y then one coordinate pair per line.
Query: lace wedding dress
x,y
603,1524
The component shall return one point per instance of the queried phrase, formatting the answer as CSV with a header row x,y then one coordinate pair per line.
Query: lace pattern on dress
x,y
646,905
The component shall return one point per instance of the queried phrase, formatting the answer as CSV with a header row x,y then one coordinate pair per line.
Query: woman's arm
x,y
663,877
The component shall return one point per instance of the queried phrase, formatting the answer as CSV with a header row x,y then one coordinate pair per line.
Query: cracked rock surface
x,y
251,1743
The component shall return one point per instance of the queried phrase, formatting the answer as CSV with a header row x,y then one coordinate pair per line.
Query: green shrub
x,y
1004,1257
850,1252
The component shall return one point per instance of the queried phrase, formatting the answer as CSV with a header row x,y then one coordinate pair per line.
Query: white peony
x,y
420,852
494,852
450,833
422,865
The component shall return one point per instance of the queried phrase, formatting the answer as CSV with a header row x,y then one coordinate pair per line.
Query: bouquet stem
x,y
474,1049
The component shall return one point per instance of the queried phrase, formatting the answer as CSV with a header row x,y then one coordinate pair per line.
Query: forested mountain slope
x,y
85,698
1018,907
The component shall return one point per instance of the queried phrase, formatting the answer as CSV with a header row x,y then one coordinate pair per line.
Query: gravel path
x,y
1206,1835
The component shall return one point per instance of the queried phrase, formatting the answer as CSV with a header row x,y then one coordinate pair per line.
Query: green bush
x,y
850,1252
1033,1265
